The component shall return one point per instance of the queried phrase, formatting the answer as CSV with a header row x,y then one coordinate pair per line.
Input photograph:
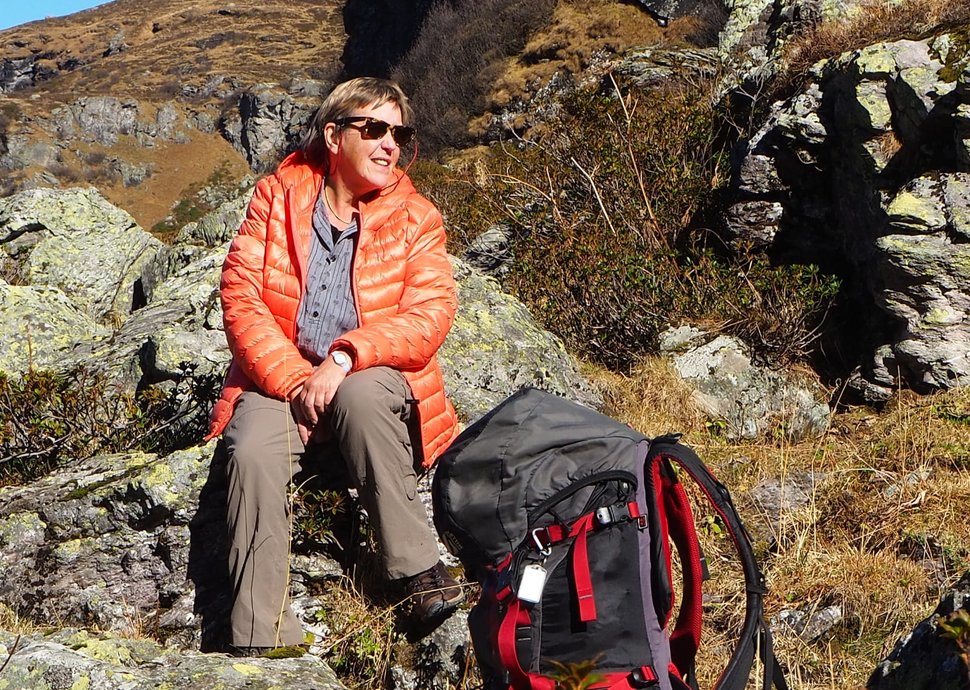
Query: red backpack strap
x,y
754,632
517,614
677,520
581,577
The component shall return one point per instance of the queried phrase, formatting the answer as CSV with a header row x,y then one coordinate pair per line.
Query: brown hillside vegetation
x,y
158,47
158,52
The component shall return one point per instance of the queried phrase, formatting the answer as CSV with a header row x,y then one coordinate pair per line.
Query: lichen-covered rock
x,y
863,171
927,658
74,240
748,400
495,347
95,543
77,660
40,327
755,33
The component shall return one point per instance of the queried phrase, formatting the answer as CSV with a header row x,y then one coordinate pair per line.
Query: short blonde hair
x,y
342,102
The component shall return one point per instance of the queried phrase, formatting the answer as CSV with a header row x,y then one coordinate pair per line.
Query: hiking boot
x,y
433,594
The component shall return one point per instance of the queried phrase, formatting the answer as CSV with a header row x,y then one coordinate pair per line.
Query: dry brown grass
x,y
883,534
872,22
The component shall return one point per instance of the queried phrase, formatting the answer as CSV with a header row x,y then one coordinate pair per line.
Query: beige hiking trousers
x,y
369,417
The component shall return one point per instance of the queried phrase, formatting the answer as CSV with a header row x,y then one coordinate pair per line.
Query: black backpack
x,y
565,517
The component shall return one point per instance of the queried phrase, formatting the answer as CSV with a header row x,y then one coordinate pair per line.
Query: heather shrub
x,y
456,58
50,419
609,246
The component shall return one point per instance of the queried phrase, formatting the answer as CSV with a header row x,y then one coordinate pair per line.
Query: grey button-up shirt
x,y
327,310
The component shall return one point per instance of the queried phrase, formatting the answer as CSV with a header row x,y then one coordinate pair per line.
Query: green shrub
x,y
604,210
50,419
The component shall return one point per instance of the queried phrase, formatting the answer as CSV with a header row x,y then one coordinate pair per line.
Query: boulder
x,y
936,654
742,399
40,327
76,241
75,659
495,347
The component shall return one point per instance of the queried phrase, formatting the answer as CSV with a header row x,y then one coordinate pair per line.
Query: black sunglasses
x,y
376,129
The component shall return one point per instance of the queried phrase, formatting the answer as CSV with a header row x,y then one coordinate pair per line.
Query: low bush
x,y
451,66
50,419
605,210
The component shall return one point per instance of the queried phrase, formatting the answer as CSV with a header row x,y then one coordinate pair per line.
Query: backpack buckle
x,y
544,548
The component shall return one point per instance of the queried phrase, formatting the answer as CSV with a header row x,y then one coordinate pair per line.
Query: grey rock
x,y
40,327
116,45
495,347
71,659
747,399
266,124
652,67
76,241
22,73
851,173
808,625
491,251
441,659
778,497
924,659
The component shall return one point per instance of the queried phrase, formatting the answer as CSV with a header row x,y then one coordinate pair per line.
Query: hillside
x,y
199,58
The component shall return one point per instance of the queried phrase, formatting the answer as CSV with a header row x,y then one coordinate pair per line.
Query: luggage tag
x,y
532,582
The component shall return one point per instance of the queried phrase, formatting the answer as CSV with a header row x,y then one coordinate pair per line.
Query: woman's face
x,y
362,164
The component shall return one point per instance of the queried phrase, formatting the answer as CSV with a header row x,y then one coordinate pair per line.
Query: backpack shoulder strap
x,y
686,635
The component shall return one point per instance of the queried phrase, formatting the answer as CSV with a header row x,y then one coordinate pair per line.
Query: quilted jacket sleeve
x,y
257,341
408,339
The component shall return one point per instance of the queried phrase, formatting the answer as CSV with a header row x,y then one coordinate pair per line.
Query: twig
x,y
596,192
10,653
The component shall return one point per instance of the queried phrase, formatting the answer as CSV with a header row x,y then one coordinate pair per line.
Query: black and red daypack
x,y
566,517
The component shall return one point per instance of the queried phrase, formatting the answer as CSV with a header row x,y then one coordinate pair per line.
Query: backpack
x,y
565,517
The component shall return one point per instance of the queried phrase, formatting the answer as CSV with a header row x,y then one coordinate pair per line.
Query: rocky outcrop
x,y
750,44
22,73
103,119
135,544
75,659
936,654
865,171
77,242
267,124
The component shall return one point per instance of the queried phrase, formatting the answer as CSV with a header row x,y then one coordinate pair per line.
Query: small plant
x,y
580,676
49,419
361,637
956,627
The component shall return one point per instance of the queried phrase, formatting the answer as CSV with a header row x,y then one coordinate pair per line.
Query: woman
x,y
337,293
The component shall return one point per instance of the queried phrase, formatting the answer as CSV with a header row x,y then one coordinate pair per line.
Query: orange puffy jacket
x,y
402,284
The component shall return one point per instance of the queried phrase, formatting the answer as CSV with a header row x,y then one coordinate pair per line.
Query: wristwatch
x,y
342,360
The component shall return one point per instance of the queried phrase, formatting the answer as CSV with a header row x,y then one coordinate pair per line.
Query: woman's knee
x,y
369,391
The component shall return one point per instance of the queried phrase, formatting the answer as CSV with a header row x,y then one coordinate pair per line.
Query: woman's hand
x,y
312,399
